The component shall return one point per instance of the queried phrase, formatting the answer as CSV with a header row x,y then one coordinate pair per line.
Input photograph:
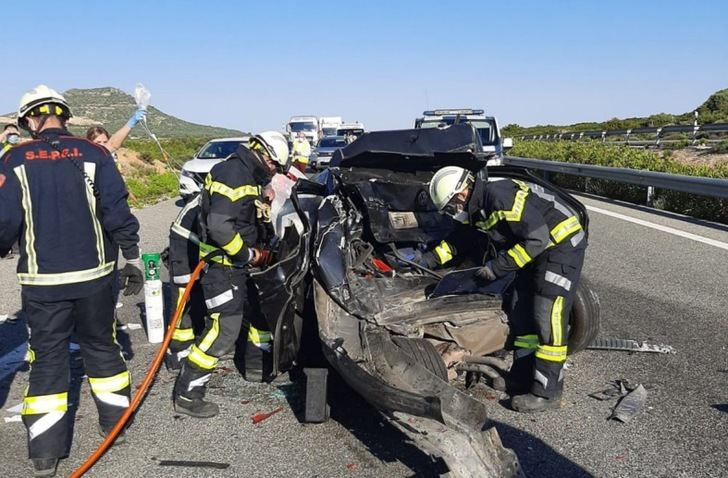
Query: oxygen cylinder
x,y
153,299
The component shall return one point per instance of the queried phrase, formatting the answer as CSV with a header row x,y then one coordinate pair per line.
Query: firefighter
x,y
301,152
64,199
540,239
183,255
234,220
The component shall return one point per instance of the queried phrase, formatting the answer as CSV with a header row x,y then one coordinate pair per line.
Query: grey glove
x,y
486,273
132,277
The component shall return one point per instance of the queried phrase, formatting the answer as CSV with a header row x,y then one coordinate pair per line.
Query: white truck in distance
x,y
309,125
328,125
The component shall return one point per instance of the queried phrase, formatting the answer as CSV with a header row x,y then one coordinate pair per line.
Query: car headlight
x,y
187,174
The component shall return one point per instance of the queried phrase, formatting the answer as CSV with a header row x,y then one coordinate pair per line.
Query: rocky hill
x,y
112,107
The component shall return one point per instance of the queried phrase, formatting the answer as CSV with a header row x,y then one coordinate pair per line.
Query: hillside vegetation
x,y
713,110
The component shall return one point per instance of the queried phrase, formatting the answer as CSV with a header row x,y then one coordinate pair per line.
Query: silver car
x,y
325,149
194,171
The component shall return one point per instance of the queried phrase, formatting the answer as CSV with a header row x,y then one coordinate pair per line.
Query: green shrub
x,y
150,188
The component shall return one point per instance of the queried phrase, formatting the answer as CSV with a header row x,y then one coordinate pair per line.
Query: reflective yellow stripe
x,y
90,170
45,404
183,335
557,313
564,229
519,254
30,355
234,246
444,252
29,228
65,277
552,353
233,194
201,359
526,342
206,249
110,384
212,334
514,215
258,336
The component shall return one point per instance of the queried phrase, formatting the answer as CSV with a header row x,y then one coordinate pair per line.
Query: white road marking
x,y
669,230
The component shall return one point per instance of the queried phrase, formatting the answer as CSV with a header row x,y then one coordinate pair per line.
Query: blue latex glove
x,y
138,116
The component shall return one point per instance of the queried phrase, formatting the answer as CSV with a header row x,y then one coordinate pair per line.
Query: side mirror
x,y
507,143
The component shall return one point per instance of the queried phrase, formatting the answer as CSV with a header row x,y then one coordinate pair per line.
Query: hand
x,y
486,273
138,116
261,257
132,277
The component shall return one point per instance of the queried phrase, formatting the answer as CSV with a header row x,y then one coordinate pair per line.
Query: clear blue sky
x,y
250,65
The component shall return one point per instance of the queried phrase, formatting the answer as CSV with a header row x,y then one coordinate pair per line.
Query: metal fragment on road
x,y
14,418
195,464
628,345
630,405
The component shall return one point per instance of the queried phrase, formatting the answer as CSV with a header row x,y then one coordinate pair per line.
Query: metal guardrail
x,y
659,133
688,184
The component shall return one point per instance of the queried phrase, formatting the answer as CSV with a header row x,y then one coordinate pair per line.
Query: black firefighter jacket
x,y
64,198
522,220
232,208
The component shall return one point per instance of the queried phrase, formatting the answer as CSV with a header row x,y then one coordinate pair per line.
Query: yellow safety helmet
x,y
447,182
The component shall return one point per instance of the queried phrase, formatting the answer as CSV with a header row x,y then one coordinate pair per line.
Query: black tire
x,y
424,354
585,318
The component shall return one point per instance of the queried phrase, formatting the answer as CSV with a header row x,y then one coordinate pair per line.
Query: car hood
x,y
197,165
419,149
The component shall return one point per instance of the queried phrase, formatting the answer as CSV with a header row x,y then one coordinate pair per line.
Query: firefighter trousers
x,y
193,317
45,404
226,295
542,299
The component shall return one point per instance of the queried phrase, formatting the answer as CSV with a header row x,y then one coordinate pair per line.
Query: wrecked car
x,y
398,332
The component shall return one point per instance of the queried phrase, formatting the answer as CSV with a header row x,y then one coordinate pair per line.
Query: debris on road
x,y
195,464
14,418
15,408
630,405
260,416
628,345
618,388
130,327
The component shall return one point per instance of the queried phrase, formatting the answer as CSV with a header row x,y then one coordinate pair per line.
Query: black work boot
x,y
530,403
195,407
45,466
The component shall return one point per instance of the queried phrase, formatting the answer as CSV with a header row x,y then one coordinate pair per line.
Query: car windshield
x,y
329,131
302,126
218,149
486,128
332,143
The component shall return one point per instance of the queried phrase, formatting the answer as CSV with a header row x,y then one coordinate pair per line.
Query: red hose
x,y
154,367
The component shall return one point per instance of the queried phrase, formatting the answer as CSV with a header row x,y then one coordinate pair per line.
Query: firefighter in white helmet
x,y
234,220
538,237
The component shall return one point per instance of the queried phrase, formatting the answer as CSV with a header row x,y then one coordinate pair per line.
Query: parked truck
x,y
309,125
328,125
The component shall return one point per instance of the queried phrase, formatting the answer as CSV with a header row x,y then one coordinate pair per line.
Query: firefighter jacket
x,y
234,216
523,221
301,151
184,242
66,201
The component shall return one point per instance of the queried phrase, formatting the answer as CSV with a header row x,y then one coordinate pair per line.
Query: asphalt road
x,y
653,285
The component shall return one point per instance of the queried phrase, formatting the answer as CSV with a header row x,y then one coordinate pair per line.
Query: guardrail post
x,y
657,137
650,196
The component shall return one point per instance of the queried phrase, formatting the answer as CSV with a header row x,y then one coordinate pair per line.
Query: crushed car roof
x,y
380,148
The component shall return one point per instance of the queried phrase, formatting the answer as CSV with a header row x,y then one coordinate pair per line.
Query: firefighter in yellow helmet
x,y
542,241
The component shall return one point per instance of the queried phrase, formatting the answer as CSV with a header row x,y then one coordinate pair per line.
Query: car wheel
x,y
424,354
585,318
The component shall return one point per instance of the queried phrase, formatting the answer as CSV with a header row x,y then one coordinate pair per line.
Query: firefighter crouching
x,y
540,239
234,218
65,200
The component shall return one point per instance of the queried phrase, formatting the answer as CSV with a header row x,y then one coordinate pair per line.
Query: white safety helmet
x,y
447,182
274,144
40,101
